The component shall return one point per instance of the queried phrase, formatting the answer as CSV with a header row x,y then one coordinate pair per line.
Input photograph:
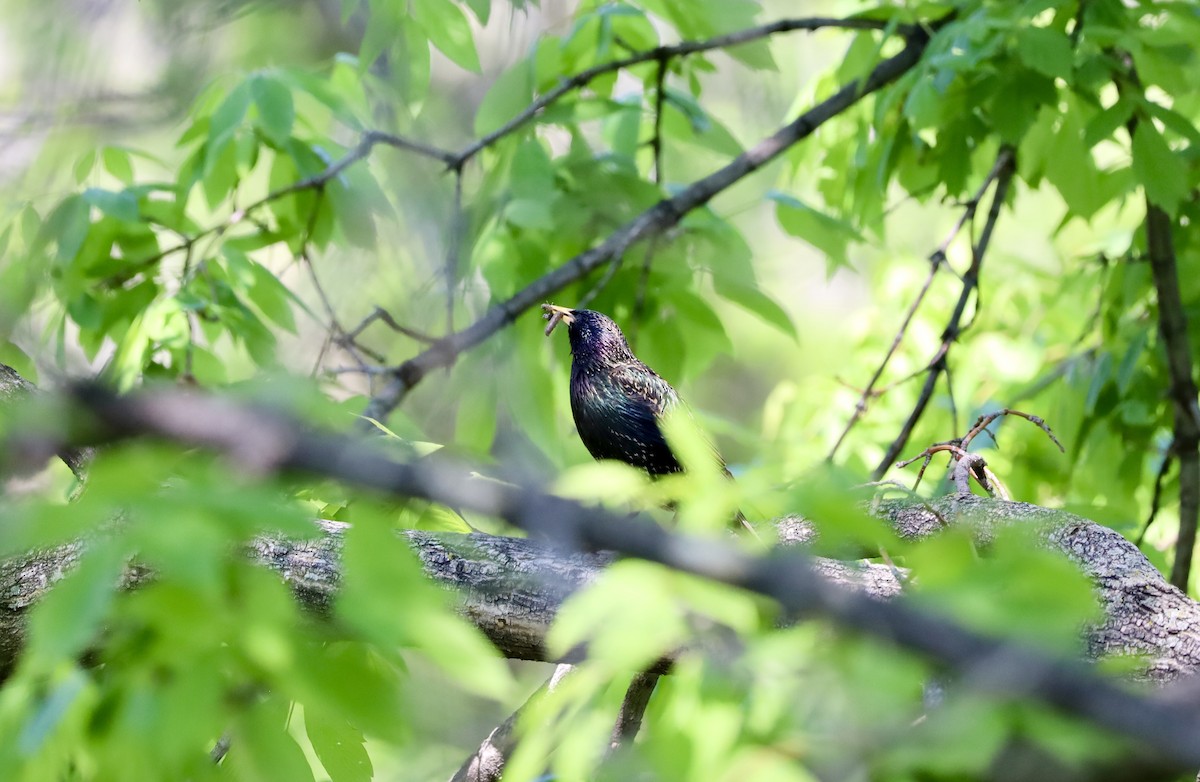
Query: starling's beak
x,y
554,314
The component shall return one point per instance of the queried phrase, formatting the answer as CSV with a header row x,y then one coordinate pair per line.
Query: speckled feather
x,y
616,399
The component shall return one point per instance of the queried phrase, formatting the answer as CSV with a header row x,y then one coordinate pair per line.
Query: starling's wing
x,y
641,383
618,416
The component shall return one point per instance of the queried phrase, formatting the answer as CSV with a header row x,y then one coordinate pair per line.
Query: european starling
x,y
617,400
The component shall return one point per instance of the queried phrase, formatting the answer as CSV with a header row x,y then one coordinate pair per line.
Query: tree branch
x,y
1172,323
14,388
655,220
262,441
662,54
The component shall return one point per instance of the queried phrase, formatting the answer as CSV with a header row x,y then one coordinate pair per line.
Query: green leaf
x,y
339,746
1016,102
482,10
629,617
1158,169
51,711
1101,374
68,226
261,287
532,171
276,112
354,214
83,166
264,751
119,163
828,234
122,205
384,26
228,116
449,30
1104,124
860,57
69,617
923,107
757,303
1046,51
1175,121
510,93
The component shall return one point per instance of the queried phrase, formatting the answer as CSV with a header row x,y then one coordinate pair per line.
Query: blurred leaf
x,y
118,162
122,205
68,618
1046,51
448,29
339,747
276,112
263,750
226,119
827,234
509,94
1158,169
757,303
627,618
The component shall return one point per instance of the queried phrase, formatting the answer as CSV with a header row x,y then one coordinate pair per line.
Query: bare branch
x,y
1002,172
633,708
1168,455
984,421
662,54
14,388
937,261
453,247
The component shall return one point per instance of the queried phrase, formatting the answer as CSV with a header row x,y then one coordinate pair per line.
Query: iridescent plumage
x,y
618,402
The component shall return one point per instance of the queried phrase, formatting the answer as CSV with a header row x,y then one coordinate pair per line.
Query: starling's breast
x,y
613,424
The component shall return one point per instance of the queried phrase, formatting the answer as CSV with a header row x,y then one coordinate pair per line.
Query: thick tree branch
x,y
663,215
13,389
261,440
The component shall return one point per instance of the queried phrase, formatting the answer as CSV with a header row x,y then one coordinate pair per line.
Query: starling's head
x,y
591,333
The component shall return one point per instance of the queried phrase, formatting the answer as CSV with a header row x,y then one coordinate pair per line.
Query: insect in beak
x,y
554,314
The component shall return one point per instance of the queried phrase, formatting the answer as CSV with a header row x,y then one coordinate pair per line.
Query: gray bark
x,y
1144,614
511,588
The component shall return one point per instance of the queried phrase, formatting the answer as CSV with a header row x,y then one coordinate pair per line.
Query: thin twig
x,y
937,261
656,145
984,421
660,53
1168,456
1003,170
486,764
380,314
1173,326
453,245
633,709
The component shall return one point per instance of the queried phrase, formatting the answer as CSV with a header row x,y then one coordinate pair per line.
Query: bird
x,y
617,401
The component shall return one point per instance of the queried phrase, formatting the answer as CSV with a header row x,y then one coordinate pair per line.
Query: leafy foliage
x,y
271,223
